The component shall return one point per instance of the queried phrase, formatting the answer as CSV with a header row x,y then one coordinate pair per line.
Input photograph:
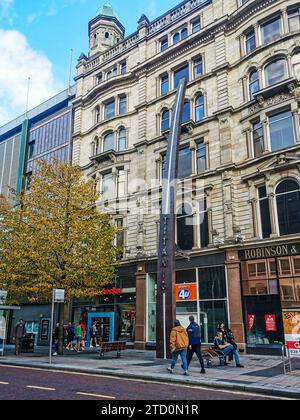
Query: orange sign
x,y
186,292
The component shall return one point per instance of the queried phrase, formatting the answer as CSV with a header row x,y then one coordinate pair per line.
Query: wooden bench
x,y
117,346
211,353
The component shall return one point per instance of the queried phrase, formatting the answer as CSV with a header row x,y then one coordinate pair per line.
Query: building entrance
x,y
105,323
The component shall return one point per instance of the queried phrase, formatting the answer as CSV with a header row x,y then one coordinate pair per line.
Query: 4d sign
x,y
3,297
186,292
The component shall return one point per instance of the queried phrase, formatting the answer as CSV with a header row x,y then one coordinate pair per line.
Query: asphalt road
x,y
35,384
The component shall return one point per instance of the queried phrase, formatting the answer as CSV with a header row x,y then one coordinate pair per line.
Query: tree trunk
x,y
61,335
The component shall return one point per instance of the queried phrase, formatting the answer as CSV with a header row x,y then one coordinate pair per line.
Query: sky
x,y
36,37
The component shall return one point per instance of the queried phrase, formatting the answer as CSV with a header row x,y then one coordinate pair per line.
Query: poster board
x,y
291,322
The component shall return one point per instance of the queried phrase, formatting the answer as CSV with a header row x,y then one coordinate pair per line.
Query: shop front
x,y
113,312
271,298
201,291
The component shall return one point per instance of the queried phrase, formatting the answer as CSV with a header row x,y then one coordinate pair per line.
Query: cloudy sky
x,y
36,37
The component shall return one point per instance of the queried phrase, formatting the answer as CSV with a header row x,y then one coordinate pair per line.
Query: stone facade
x,y
233,170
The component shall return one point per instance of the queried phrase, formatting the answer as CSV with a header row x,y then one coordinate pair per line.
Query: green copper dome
x,y
107,10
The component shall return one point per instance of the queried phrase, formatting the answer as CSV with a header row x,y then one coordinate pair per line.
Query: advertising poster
x,y
291,321
251,319
270,322
186,292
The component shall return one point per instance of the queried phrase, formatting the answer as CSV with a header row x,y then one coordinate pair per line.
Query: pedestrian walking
x,y
20,332
83,332
55,340
78,335
93,335
194,333
179,342
70,336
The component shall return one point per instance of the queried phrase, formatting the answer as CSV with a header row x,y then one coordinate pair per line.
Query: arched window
x,y
288,207
165,120
296,64
186,116
199,108
122,140
185,228
253,83
176,38
108,142
276,71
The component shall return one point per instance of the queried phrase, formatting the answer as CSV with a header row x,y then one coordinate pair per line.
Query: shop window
x,y
211,313
288,207
285,268
257,269
281,128
185,228
212,283
296,265
287,290
271,30
276,71
186,276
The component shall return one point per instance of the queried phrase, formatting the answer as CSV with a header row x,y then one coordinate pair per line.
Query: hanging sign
x,y
270,322
59,295
186,292
251,320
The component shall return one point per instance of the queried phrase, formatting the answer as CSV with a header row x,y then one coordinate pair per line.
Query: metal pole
x,y
289,358
165,326
283,359
70,69
51,329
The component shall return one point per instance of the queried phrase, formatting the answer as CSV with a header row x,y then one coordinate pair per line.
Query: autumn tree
x,y
54,237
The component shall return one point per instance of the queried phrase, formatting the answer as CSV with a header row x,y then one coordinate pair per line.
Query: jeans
x,y
196,348
18,345
182,354
230,349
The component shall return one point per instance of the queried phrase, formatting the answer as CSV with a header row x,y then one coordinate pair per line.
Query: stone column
x,y
257,35
141,305
285,21
235,297
290,66
271,198
254,208
249,143
296,118
264,123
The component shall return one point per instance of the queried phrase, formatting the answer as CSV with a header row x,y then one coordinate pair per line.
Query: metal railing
x,y
286,359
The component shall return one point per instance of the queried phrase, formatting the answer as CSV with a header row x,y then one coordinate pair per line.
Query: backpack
x,y
196,334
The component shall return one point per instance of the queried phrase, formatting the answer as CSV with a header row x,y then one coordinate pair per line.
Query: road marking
x,y
145,381
106,397
41,388
4,383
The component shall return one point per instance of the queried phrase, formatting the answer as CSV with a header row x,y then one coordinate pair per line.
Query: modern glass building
x,y
43,133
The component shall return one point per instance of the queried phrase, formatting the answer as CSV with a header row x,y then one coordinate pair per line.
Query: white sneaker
x,y
54,354
170,370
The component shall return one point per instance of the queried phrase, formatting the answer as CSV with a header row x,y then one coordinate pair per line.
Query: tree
x,y
55,238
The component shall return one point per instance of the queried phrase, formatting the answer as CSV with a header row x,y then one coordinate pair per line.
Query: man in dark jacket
x,y
194,333
20,332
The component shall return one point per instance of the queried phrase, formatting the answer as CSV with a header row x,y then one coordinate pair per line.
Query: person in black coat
x,y
228,337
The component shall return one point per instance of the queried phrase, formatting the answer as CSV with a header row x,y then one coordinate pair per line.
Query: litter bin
x,y
28,344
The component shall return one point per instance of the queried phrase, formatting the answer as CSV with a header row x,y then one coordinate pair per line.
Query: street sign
x,y
59,295
3,296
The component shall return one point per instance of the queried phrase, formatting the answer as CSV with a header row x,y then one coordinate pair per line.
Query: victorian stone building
x,y
238,226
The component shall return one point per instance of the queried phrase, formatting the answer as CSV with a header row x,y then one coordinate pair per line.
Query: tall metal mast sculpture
x,y
166,305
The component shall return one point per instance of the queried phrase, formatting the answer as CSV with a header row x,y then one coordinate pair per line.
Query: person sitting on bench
x,y
226,349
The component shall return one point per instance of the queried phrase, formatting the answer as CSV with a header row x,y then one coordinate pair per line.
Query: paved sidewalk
x,y
263,375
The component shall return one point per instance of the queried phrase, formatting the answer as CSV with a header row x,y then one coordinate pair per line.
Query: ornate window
x,y
204,223
250,41
271,30
122,140
107,186
296,64
253,83
180,35
97,114
165,120
185,227
264,212
198,67
182,73
199,108
201,157
108,142
186,116
281,129
294,19
164,84
258,139
196,25
276,71
122,104
185,162
110,109
164,43
288,207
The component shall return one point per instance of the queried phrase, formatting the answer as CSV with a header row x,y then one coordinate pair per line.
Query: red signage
x,y
251,319
186,292
112,292
270,321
